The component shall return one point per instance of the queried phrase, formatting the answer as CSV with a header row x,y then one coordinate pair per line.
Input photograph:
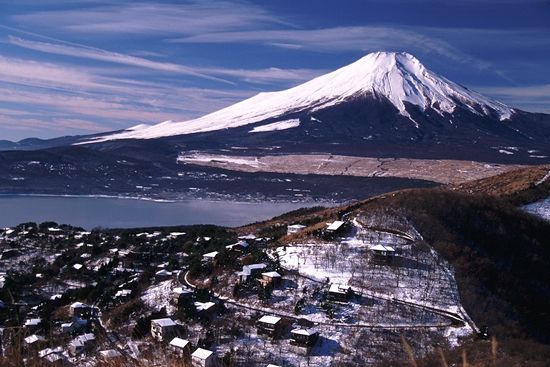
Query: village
x,y
342,292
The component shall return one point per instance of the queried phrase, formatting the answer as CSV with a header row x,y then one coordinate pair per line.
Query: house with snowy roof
x,y
32,325
239,246
250,271
75,325
34,342
110,355
210,256
304,337
80,310
163,329
163,275
271,279
294,228
270,325
180,293
82,344
180,347
55,359
339,292
203,358
205,310
383,253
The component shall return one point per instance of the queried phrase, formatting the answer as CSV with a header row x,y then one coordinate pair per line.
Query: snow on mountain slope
x,y
279,125
398,77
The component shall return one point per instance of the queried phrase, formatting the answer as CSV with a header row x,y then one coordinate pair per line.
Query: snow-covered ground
x,y
540,208
158,296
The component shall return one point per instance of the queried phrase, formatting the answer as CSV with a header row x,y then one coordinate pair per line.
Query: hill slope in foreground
x,y
461,260
499,253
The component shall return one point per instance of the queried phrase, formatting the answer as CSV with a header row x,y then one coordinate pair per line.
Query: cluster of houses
x,y
257,272
83,341
276,327
168,331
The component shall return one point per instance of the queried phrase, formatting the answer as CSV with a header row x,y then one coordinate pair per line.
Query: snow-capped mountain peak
x,y
399,78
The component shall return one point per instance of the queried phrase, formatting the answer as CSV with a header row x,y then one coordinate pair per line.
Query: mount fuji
x,y
386,104
397,78
384,107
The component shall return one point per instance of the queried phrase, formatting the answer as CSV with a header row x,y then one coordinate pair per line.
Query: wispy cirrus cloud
x,y
340,39
85,100
212,73
185,17
108,56
533,98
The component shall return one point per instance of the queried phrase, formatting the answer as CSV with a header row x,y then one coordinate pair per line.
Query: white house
x,y
335,226
210,256
250,271
203,358
163,329
81,344
180,347
294,228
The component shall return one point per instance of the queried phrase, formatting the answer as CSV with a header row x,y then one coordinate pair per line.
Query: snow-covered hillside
x,y
399,78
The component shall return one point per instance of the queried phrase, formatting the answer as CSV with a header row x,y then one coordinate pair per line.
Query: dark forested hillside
x,y
500,254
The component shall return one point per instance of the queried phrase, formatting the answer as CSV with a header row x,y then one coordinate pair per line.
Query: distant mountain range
x,y
385,105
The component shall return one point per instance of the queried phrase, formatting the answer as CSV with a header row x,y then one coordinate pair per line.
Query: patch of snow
x,y
158,296
276,126
540,208
205,158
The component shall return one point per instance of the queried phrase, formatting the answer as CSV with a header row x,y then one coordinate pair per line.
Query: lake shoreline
x,y
115,212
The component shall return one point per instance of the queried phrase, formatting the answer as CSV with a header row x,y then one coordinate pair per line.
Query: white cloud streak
x,y
150,18
213,73
339,39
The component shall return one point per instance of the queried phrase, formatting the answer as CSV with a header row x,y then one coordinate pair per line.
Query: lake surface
x,y
90,212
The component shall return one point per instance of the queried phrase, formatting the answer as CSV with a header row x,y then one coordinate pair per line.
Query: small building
x,y
340,292
383,253
32,325
210,256
270,325
203,358
180,293
163,275
295,228
180,347
335,226
56,359
74,326
239,246
80,310
44,352
163,329
205,310
82,344
271,278
34,342
110,355
123,295
304,337
250,271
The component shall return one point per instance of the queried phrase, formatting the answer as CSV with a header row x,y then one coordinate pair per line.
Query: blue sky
x,y
85,66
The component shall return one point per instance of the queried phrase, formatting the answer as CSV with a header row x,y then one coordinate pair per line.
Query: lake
x,y
90,212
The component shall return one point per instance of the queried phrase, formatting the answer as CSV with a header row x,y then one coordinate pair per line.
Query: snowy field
x,y
540,208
